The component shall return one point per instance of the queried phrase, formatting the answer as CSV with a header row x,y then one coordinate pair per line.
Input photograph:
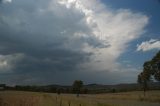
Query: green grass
x,y
19,98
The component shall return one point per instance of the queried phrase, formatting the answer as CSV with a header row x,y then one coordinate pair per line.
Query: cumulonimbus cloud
x,y
116,28
60,35
80,21
149,45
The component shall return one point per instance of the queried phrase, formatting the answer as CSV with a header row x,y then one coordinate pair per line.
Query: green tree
x,y
143,79
77,85
155,66
150,68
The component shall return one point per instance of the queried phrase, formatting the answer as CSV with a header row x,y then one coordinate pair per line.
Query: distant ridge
x,y
129,86
89,88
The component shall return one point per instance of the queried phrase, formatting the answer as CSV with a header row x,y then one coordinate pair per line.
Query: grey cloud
x,y
45,33
28,30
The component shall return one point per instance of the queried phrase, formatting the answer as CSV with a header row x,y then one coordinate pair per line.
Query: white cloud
x,y
9,62
6,1
149,45
116,28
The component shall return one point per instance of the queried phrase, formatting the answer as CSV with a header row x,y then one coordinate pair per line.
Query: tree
x,y
143,79
77,85
150,68
58,91
155,66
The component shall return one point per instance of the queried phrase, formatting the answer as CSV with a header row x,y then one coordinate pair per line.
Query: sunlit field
x,y
19,98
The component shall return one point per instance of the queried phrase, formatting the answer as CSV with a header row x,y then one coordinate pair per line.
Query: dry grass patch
x,y
15,98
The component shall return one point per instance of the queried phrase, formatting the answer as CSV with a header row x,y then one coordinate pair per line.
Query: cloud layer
x,y
69,36
149,45
6,1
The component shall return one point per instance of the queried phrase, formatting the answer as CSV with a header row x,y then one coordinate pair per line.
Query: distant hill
x,y
90,88
133,86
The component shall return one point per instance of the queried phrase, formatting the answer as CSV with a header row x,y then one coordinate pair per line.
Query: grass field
x,y
19,98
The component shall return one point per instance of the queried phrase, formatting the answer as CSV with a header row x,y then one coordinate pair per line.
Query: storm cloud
x,y
57,41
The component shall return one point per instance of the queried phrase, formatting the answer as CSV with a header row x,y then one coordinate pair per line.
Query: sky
x,y
58,41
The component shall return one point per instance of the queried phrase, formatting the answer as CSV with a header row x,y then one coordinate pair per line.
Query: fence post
x,y
56,99
60,103
69,103
1,102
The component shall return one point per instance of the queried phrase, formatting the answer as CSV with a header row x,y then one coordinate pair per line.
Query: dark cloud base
x,y
37,38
